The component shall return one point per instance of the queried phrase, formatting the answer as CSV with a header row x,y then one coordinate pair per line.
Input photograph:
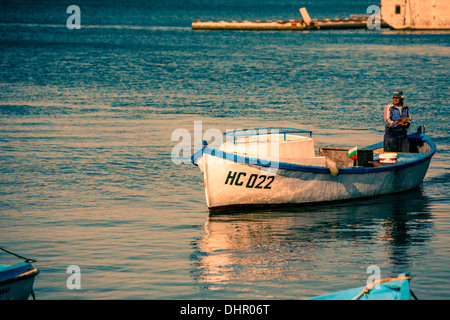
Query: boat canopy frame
x,y
267,131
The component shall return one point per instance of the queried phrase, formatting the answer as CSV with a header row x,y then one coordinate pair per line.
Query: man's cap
x,y
398,94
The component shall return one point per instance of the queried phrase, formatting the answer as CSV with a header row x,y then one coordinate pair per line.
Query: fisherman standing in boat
x,y
396,121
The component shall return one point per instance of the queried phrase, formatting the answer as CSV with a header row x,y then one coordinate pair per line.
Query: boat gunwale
x,y
240,159
385,288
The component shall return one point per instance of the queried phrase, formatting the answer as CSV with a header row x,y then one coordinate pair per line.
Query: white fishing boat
x,y
16,281
273,167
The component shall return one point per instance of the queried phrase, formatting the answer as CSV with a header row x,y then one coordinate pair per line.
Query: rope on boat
x,y
18,256
370,286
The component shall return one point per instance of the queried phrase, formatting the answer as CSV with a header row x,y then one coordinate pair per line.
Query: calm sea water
x,y
86,118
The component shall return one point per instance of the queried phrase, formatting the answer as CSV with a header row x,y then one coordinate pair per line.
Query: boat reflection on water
x,y
307,251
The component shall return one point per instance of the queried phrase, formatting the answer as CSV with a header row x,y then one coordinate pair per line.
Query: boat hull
x,y
230,185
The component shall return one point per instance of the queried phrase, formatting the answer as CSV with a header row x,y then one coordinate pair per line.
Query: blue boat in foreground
x,y
387,289
16,281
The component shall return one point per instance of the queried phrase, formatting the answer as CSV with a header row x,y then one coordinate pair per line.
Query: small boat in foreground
x,y
16,281
387,289
279,167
